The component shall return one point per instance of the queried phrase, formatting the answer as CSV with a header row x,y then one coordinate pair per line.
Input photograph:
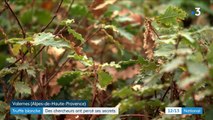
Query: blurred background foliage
x,y
139,55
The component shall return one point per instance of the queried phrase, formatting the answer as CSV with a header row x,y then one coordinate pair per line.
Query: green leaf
x,y
125,34
22,88
42,16
198,69
6,71
68,22
3,107
123,93
11,59
31,72
136,105
86,61
78,10
175,63
196,56
187,36
48,39
165,50
126,64
171,16
27,17
184,51
112,27
104,79
83,93
68,77
111,64
149,89
19,41
23,66
30,69
127,104
189,80
76,35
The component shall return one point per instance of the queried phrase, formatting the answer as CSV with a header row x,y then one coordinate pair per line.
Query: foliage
x,y
171,16
104,79
48,39
138,55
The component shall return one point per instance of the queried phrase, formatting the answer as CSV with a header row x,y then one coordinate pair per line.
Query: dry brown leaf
x,y
97,12
56,52
103,5
54,87
135,18
148,42
131,46
47,5
130,72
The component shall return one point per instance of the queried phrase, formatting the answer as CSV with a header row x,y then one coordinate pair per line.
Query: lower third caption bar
x,y
64,110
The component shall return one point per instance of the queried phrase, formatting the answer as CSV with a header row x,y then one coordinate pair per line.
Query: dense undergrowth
x,y
138,55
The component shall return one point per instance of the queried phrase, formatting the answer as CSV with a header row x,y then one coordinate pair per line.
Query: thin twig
x,y
55,73
23,32
162,99
70,6
195,104
14,63
32,92
18,60
56,12
37,54
165,94
94,86
67,13
59,59
90,117
41,31
89,36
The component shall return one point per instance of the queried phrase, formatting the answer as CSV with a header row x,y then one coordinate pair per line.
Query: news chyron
x,y
38,107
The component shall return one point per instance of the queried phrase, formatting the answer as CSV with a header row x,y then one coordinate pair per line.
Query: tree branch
x,y
8,6
37,54
162,99
55,73
58,32
56,12
94,85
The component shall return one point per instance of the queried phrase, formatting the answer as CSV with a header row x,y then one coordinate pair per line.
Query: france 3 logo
x,y
196,12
